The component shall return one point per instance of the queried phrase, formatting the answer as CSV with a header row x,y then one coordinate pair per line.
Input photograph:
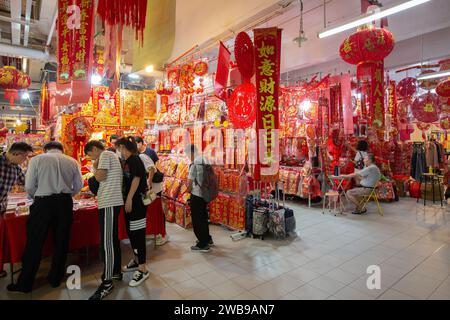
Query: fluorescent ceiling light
x,y
96,79
371,17
25,95
133,76
149,69
438,74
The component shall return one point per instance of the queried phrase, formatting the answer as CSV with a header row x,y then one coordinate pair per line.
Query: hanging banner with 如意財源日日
x,y
149,104
377,95
106,108
267,57
131,108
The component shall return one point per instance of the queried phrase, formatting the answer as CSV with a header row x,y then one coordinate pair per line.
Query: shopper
x,y
113,140
108,172
148,151
10,175
135,186
52,179
156,190
370,176
197,204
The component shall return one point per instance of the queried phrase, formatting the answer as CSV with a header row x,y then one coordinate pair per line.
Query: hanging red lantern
x,y
426,108
407,87
244,52
201,68
12,80
242,106
443,89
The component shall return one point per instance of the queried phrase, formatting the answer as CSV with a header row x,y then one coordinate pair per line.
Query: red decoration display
x,y
426,108
244,53
201,68
443,89
12,80
407,87
222,73
429,83
242,106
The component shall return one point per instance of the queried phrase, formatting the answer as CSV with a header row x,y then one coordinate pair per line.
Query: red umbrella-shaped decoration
x,y
443,89
426,108
244,52
242,106
407,87
13,80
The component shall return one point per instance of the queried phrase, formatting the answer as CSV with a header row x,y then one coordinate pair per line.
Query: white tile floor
x,y
328,260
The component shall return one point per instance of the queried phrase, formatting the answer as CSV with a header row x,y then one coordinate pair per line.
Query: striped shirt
x,y
110,190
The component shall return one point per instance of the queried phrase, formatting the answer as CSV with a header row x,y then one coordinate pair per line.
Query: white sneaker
x,y
138,278
160,240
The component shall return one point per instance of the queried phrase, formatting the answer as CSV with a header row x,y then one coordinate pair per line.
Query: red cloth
x,y
85,231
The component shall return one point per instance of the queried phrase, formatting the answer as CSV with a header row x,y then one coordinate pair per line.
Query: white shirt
x,y
196,175
53,173
149,164
110,191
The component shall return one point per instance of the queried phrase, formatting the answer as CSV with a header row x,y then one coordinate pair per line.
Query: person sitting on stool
x,y
369,176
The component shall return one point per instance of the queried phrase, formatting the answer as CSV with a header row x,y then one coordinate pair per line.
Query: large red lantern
x,y
242,106
407,87
244,53
443,89
426,108
12,80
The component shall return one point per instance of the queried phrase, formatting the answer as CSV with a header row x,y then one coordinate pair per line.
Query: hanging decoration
x,y
367,48
428,84
131,108
201,68
426,108
407,87
392,104
443,89
173,77
78,132
244,53
164,92
149,105
222,73
12,80
242,106
267,63
45,104
106,107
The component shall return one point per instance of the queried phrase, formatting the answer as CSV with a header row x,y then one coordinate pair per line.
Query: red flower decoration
x,y
426,108
242,106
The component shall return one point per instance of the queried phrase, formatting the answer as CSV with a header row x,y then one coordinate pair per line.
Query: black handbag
x,y
158,177
93,185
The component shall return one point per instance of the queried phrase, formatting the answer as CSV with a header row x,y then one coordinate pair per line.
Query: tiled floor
x,y
328,260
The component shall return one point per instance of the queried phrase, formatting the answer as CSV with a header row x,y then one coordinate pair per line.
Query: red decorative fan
x,y
426,108
201,68
407,87
242,106
244,52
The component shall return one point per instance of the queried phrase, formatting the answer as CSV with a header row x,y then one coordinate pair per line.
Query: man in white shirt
x,y
369,176
108,172
52,179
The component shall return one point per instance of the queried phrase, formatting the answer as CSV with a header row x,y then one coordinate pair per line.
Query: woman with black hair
x,y
362,149
135,185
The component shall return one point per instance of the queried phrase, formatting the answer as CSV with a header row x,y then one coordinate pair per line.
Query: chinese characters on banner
x,y
392,108
106,107
377,95
65,51
132,109
150,104
267,58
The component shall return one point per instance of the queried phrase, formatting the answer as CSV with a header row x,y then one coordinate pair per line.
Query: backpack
x,y
210,185
360,163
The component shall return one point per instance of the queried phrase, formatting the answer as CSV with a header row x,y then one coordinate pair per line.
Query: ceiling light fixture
x,y
96,79
134,76
438,74
149,68
372,17
25,95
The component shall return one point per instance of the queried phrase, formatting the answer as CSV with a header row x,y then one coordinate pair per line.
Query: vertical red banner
x,y
64,42
267,57
392,108
222,73
347,106
377,95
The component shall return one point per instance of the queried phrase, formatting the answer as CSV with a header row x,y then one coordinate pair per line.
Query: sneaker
x,y
138,278
160,240
197,248
359,212
103,290
15,288
115,277
131,266
210,243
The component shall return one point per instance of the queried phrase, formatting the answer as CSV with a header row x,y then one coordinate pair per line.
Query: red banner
x,y
222,73
267,57
392,107
377,95
64,52
106,107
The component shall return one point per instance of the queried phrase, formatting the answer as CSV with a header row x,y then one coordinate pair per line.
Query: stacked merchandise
x,y
300,182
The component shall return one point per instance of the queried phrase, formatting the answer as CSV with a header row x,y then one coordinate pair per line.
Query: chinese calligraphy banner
x,y
132,109
347,106
392,108
267,57
64,52
150,104
377,95
106,107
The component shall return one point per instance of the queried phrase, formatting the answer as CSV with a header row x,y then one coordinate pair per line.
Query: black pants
x,y
109,241
136,222
56,212
200,220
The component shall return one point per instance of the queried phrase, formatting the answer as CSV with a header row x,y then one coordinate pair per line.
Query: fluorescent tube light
x,y
438,74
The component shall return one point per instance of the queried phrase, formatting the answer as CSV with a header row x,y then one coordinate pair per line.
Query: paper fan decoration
x,y
242,106
244,53
407,87
426,108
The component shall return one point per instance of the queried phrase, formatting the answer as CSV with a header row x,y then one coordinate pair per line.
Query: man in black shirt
x,y
142,148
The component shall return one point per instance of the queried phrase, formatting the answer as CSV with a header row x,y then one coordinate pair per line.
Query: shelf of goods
x,y
228,209
299,182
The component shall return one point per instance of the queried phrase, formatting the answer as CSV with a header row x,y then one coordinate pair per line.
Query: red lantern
x,y
242,106
244,53
201,68
12,80
426,108
370,44
443,89
407,87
